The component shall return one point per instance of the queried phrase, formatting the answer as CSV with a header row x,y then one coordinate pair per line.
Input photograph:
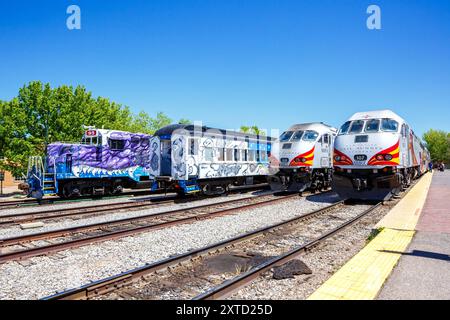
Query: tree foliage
x,y
41,114
253,129
438,142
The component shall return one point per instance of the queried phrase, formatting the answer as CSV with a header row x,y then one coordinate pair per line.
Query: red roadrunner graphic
x,y
343,159
388,157
304,159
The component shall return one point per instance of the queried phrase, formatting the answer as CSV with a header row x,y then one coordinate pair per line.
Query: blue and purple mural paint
x,y
115,153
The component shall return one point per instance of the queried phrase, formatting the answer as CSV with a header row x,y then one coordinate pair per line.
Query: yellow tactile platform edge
x,y
363,276
405,215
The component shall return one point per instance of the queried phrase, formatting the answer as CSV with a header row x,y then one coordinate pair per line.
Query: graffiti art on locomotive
x,y
207,160
302,158
377,155
106,161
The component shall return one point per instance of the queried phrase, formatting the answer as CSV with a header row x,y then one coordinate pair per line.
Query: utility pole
x,y
2,177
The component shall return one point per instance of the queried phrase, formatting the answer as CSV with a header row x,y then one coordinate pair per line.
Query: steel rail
x,y
117,281
18,218
111,235
230,286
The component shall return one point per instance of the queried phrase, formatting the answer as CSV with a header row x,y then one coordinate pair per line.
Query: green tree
x,y
256,130
438,144
245,129
184,121
41,115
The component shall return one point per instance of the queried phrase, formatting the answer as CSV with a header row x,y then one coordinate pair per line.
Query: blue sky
x,y
231,62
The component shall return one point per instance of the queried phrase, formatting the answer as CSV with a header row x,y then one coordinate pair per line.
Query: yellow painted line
x,y
363,276
405,215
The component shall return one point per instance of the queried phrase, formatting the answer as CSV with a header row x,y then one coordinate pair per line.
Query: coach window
x,y
357,126
116,144
286,136
243,154
251,155
373,125
263,155
404,130
229,154
209,154
221,154
326,139
237,155
193,147
389,125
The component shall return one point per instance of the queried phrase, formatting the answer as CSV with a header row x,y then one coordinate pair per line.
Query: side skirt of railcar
x,y
215,186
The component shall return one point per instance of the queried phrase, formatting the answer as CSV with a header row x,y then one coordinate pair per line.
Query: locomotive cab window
x,y
91,141
357,126
297,136
286,136
116,144
389,125
344,128
310,135
372,125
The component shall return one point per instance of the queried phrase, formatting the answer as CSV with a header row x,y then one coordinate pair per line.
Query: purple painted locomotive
x,y
105,162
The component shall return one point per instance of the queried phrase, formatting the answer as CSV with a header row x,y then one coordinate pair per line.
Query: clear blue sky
x,y
231,62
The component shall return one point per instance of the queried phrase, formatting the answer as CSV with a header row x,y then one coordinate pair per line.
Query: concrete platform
x,y
364,275
424,268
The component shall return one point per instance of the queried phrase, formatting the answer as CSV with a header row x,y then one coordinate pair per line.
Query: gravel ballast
x,y
41,276
15,230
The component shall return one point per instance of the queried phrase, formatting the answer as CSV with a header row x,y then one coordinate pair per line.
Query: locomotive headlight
x,y
303,159
388,157
337,158
380,157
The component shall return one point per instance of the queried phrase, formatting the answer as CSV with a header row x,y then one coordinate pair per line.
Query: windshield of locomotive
x,y
369,126
286,136
310,135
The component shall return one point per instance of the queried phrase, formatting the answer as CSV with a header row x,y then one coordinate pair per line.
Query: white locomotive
x,y
376,154
302,158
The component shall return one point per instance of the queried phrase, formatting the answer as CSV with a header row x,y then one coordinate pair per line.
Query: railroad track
x,y
125,279
53,200
228,287
25,217
21,247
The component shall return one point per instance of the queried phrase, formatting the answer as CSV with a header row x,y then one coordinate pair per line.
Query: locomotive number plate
x,y
360,157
